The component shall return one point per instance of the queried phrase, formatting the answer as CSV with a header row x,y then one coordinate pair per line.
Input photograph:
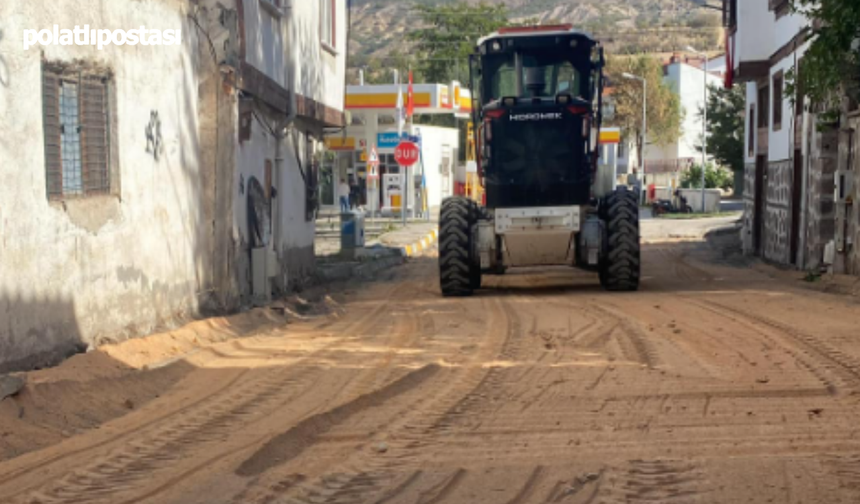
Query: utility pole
x,y
704,124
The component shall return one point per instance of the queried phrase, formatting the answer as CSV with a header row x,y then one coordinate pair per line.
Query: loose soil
x,y
716,383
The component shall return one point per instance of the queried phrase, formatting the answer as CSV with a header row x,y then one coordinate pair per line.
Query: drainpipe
x,y
281,134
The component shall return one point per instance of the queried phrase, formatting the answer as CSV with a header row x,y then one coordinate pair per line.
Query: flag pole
x,y
403,169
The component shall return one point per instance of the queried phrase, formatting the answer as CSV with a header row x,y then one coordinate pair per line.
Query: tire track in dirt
x,y
133,465
399,489
474,402
291,444
294,441
809,351
162,439
631,338
406,430
609,325
527,491
443,490
664,481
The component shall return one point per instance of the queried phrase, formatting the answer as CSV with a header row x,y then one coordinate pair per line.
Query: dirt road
x,y
714,384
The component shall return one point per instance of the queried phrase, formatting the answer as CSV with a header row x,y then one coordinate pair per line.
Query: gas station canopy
x,y
429,98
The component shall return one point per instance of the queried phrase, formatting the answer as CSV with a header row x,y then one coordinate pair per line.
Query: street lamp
x,y
704,124
644,121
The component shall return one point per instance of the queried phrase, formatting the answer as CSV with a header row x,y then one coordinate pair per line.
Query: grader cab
x,y
537,95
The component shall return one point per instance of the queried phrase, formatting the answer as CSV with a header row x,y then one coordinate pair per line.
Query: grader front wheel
x,y
456,271
620,269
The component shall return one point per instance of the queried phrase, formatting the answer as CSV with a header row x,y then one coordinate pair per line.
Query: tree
x,y
664,105
449,34
832,62
726,126
715,178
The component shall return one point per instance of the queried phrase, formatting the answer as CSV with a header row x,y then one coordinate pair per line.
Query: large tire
x,y
620,269
456,219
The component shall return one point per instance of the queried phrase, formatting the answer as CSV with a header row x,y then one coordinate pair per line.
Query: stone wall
x,y
821,211
777,219
748,221
854,168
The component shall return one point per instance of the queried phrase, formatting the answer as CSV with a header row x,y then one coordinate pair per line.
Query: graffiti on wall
x,y
154,143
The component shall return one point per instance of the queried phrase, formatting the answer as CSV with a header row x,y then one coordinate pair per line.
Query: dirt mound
x,y
90,389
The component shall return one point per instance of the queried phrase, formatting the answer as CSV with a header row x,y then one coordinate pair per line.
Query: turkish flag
x,y
410,98
730,63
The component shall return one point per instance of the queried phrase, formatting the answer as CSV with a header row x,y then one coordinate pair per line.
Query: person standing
x,y
343,190
353,192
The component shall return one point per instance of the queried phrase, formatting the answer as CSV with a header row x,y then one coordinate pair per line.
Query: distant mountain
x,y
625,26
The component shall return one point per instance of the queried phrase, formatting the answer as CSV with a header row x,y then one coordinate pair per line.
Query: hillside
x,y
625,26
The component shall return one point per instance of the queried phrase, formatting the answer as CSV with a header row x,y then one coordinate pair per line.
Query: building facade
x,y
129,173
688,82
790,163
276,74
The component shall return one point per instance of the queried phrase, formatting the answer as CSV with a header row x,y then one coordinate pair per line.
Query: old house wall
x,y
823,156
852,139
288,85
79,270
748,220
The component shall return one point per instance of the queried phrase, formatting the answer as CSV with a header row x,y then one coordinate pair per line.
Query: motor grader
x,y
537,99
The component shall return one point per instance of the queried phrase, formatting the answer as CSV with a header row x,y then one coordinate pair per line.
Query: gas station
x,y
364,152
373,133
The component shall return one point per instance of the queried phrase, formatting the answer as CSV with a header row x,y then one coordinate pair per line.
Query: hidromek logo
x,y
85,36
555,116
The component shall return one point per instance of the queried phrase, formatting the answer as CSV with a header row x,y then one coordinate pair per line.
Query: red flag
x,y
730,64
410,98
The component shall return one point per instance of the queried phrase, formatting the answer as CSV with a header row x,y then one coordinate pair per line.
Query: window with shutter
x,y
328,24
777,101
76,128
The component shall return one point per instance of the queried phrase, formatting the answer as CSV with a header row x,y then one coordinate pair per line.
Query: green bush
x,y
715,178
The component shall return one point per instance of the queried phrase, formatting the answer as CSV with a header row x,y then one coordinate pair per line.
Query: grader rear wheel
x,y
456,271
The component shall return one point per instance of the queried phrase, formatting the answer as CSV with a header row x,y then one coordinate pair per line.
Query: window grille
x,y
77,160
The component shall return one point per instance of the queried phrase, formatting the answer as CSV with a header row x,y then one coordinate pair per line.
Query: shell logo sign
x,y
340,143
455,90
610,136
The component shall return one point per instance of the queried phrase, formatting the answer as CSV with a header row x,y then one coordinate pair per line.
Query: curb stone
x,y
365,270
421,245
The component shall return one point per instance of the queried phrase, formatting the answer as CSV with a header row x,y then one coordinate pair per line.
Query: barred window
x,y
77,159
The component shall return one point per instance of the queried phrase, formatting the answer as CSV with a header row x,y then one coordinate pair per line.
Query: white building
x,y
289,73
688,82
126,172
789,176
